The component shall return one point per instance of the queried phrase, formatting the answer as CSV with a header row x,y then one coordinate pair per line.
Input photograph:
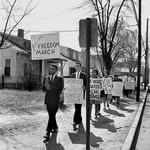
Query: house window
x,y
7,67
25,70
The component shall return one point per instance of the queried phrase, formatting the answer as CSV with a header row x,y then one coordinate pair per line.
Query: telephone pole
x,y
139,54
146,58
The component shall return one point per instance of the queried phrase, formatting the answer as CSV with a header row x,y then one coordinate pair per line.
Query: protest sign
x,y
117,89
73,92
107,85
129,85
95,89
45,46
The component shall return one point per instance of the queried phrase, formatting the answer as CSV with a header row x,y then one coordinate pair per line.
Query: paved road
x,y
143,142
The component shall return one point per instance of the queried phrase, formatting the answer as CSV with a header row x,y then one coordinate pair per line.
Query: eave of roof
x,y
21,43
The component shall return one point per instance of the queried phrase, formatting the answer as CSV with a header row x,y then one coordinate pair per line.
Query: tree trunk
x,y
108,62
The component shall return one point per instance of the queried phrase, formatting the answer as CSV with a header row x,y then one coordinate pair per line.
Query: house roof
x,y
25,45
70,58
21,43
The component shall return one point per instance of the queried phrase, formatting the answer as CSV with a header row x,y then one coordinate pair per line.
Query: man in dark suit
x,y
78,75
53,85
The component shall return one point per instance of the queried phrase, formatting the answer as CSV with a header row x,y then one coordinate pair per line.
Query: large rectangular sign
x,y
117,89
107,85
45,46
129,85
95,89
73,91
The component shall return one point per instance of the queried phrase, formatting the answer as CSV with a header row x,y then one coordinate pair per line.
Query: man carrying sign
x,y
78,75
116,79
95,89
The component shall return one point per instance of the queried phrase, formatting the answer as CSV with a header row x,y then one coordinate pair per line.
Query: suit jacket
x,y
52,96
82,76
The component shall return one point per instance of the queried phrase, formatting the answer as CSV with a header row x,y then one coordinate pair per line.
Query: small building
x,y
15,62
17,68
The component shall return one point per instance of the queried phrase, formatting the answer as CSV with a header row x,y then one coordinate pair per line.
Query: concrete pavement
x,y
112,130
144,132
127,145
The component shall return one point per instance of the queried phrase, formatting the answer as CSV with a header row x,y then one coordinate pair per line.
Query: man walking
x,y
53,85
77,119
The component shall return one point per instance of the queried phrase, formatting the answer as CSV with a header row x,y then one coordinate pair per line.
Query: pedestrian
x,y
117,98
77,119
53,85
96,102
125,91
108,95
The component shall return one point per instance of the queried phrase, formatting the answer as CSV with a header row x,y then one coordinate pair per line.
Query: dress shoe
x,y
80,122
55,130
74,125
47,135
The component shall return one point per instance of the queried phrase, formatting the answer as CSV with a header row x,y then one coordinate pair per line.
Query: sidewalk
x,y
108,132
144,133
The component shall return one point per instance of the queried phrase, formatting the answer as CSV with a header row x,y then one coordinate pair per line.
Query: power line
x,y
48,31
56,14
57,31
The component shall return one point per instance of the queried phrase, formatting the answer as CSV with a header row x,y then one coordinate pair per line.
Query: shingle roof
x,y
21,43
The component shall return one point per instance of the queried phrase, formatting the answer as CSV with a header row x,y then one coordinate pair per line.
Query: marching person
x,y
96,102
77,119
53,85
116,79
108,97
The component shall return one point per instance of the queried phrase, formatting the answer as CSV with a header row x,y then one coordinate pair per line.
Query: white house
x,y
19,70
17,67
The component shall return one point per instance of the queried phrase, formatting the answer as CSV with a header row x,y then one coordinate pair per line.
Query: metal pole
x,y
88,35
146,59
139,55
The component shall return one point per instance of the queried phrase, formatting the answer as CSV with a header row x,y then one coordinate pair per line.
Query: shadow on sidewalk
x,y
51,144
104,123
80,137
124,103
114,112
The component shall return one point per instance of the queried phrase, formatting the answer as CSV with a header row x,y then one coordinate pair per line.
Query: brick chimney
x,y
21,33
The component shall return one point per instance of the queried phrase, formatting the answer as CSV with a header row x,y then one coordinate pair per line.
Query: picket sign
x,y
95,89
129,85
117,89
107,85
73,91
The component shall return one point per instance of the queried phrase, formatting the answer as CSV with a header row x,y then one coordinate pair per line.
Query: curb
x,y
129,139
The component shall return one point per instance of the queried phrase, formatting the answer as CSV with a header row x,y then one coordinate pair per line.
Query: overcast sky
x,y
57,15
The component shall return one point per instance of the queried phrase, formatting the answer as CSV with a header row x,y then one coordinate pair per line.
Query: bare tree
x,y
129,47
110,17
13,12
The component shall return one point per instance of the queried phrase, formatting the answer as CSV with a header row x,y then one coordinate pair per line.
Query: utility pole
x,y
88,44
146,58
139,54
